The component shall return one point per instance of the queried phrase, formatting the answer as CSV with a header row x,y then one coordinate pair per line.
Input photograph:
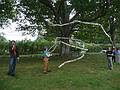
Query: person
x,y
46,56
14,55
118,56
114,54
109,54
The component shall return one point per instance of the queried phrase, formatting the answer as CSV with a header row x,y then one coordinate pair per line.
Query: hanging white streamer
x,y
74,46
71,61
77,21
58,41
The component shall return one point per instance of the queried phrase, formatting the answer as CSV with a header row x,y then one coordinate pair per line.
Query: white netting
x,y
74,43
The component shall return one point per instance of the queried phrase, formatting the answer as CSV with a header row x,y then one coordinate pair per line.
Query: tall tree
x,y
37,12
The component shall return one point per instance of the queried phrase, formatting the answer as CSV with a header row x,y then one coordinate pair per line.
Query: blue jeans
x,y
12,65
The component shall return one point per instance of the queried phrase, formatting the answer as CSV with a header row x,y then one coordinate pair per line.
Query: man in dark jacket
x,y
14,55
109,54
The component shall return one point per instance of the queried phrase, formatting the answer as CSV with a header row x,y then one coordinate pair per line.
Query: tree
x,y
37,12
7,11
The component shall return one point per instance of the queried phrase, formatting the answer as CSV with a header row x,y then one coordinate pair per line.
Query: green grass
x,y
90,73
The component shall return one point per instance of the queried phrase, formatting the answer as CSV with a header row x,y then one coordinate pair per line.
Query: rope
x,y
77,21
69,61
73,46
58,41
54,48
55,42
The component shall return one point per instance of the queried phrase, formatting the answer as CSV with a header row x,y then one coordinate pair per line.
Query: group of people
x,y
113,56
14,57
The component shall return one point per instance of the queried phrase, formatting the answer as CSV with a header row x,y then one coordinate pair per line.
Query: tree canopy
x,y
37,12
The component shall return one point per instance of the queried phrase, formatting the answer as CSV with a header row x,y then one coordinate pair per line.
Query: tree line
x,y
25,46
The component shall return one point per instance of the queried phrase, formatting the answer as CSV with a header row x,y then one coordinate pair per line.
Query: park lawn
x,y
90,73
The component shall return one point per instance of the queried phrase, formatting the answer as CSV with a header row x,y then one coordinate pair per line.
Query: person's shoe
x,y
12,74
45,72
8,73
111,68
49,70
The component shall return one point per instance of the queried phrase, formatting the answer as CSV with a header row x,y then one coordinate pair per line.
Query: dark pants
x,y
12,65
110,63
114,59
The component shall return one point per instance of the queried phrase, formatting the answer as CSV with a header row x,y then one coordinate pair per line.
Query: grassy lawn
x,y
90,73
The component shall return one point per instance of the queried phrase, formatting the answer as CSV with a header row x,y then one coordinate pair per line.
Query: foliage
x,y
26,46
94,34
32,47
91,34
3,45
7,11
37,12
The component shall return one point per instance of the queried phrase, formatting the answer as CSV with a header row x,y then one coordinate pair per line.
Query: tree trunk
x,y
65,31
112,30
64,49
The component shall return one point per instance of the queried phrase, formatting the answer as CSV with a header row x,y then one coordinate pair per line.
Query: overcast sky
x,y
11,34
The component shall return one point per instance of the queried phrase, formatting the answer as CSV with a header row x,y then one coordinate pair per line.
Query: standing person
x,y
114,54
14,55
46,56
118,56
109,54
